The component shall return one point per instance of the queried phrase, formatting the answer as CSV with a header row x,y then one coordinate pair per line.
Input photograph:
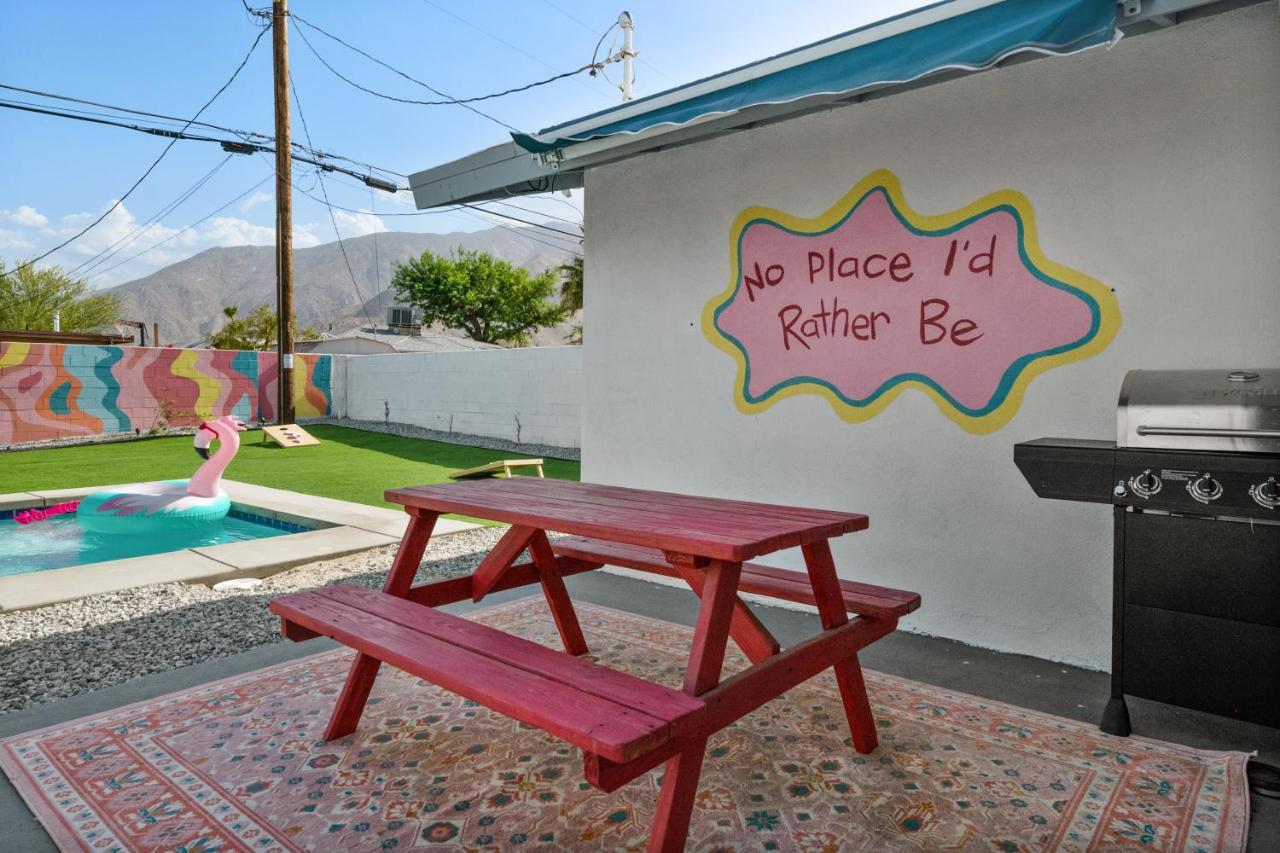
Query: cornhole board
x,y
501,467
289,435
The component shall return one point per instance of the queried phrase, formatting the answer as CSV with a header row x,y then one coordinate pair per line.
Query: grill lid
x,y
1236,410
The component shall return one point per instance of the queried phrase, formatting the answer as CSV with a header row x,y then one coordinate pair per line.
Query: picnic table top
x,y
715,528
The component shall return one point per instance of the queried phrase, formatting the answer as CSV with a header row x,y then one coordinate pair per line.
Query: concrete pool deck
x,y
342,528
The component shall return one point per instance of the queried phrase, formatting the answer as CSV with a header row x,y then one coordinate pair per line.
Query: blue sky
x,y
169,57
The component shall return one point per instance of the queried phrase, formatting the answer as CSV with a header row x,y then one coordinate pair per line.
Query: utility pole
x,y
284,215
628,55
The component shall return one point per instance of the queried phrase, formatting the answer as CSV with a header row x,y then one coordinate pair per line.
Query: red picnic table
x,y
624,725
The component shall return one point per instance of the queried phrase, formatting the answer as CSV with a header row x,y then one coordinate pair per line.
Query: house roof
x,y
939,41
429,341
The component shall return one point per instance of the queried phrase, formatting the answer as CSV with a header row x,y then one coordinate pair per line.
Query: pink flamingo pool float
x,y
169,504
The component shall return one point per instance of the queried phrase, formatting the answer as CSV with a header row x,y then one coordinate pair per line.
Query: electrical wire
x,y
150,168
106,254
461,102
391,68
245,135
577,222
592,30
509,45
332,219
177,234
575,237
243,146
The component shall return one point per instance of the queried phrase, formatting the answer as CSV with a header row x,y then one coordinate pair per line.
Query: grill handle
x,y
1211,432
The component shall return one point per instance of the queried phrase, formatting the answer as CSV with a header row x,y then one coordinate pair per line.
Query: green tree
x,y
257,331
29,296
490,299
571,295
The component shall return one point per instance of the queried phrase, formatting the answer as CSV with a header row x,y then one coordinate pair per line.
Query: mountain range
x,y
186,298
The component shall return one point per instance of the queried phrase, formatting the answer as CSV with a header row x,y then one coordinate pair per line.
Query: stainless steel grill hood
x,y
1236,410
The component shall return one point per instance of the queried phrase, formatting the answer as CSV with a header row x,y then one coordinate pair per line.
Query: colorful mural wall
x,y
52,391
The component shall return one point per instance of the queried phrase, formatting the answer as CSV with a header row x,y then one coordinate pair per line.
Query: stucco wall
x,y
482,392
1153,166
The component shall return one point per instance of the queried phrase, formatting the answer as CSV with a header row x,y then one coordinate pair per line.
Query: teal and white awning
x,y
951,35
941,41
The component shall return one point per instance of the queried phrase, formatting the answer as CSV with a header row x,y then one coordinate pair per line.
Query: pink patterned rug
x,y
236,765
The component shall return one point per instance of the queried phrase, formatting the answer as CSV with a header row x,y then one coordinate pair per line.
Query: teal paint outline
x,y
1008,378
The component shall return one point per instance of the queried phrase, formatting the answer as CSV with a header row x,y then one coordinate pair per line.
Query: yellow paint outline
x,y
1109,309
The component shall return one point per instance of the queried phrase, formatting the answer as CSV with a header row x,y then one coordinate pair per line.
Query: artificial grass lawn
x,y
348,464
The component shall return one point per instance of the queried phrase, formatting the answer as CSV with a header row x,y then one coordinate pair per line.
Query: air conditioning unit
x,y
404,320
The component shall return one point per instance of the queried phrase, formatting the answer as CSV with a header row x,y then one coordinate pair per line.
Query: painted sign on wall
x,y
871,298
60,391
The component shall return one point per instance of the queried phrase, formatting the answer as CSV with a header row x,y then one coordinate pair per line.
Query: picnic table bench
x,y
625,725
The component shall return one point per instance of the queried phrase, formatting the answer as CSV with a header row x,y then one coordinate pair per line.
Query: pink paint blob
x,y
872,301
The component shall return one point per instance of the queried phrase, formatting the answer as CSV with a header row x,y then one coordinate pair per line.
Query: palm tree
x,y
571,286
571,294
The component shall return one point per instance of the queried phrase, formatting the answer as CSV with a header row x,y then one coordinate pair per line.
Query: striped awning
x,y
962,35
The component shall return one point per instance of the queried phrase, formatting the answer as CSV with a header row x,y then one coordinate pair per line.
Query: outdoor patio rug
x,y
236,765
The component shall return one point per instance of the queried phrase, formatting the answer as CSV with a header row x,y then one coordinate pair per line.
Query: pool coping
x,y
347,528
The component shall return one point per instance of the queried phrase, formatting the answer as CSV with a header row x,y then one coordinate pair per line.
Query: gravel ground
x,y
484,441
62,650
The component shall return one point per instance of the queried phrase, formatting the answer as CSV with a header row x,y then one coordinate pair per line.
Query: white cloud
x,y
358,224
123,236
255,200
12,241
25,216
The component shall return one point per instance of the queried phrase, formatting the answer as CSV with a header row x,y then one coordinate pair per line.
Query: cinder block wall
x,y
51,391
530,395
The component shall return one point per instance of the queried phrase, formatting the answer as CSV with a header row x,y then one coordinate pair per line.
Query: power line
x,y
332,219
592,30
514,47
577,222
238,147
110,251
461,102
150,168
177,234
246,135
391,68
517,231
574,237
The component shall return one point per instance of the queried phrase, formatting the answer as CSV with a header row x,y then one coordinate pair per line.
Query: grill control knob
x,y
1266,494
1145,484
1205,489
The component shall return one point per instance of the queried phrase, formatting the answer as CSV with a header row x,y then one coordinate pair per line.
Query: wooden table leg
x,y
853,687
557,596
675,802
745,627
710,637
364,669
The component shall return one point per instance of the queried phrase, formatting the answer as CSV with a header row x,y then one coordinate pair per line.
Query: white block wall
x,y
481,392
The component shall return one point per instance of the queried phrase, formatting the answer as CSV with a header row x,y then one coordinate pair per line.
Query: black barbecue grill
x,y
1192,480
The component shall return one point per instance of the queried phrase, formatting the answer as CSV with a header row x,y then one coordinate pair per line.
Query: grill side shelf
x,y
1068,469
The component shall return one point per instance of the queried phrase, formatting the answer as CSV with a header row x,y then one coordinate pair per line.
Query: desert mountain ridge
x,y
186,298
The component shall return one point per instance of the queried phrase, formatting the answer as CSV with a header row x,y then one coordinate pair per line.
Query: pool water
x,y
60,541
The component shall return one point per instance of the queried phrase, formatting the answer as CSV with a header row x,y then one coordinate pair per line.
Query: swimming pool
x,y
60,541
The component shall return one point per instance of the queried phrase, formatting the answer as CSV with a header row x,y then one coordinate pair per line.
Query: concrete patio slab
x,y
36,589
1042,685
20,500
292,506
261,557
